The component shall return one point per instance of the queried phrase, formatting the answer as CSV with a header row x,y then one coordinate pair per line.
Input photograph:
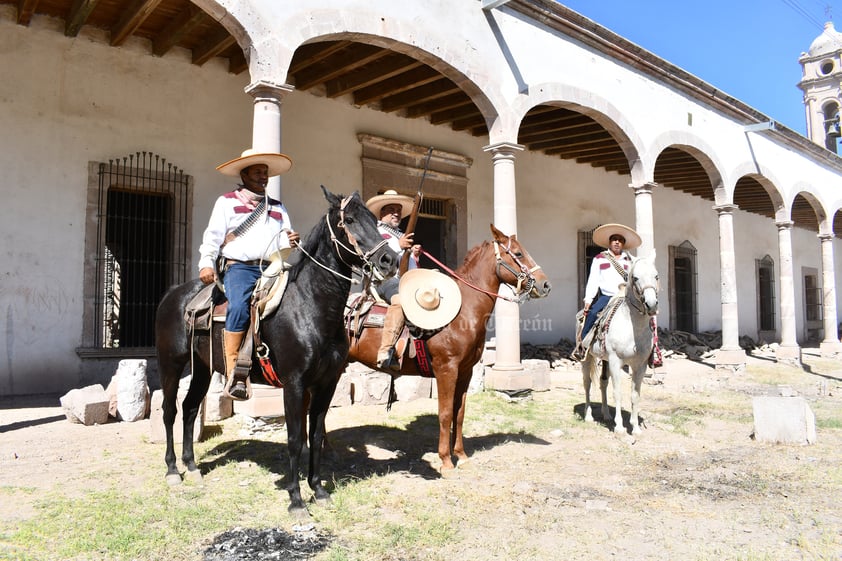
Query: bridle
x,y
368,268
525,278
638,302
521,292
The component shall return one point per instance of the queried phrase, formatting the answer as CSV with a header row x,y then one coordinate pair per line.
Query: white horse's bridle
x,y
638,302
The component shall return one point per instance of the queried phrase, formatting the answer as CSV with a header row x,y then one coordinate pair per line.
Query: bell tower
x,y
821,82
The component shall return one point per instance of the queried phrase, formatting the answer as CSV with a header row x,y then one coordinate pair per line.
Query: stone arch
x,y
693,145
804,190
582,101
270,51
762,175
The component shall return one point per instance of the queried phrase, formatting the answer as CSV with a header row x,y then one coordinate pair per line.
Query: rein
x,y
367,267
525,273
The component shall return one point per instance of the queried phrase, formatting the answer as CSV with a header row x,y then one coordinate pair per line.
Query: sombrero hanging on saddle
x,y
608,273
429,300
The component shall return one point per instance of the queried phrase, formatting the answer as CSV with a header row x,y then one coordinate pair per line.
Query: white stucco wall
x,y
65,102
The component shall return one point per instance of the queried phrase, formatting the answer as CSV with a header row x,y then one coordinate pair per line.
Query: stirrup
x,y
392,362
238,390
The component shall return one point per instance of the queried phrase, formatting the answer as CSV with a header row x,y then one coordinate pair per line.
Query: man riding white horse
x,y
609,270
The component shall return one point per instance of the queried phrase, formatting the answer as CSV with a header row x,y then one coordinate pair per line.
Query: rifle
x,y
413,216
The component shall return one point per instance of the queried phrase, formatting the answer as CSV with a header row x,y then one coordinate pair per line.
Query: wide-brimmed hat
x,y
602,235
390,197
278,163
430,299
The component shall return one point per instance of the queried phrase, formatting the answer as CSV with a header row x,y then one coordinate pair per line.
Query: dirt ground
x,y
702,489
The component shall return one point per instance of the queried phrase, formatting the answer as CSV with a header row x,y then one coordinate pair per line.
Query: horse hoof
x,y
299,513
464,463
173,479
448,472
194,475
323,501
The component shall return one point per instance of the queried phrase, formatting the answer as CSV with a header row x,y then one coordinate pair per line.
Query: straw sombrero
x,y
278,163
390,197
430,299
602,234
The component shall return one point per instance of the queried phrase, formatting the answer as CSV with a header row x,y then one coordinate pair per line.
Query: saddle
x,y
362,311
600,326
209,306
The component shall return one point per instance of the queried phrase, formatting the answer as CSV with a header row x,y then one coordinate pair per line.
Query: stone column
x,y
789,351
730,355
266,128
507,372
830,346
644,221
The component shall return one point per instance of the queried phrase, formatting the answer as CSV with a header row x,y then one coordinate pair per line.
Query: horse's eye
x,y
349,220
518,254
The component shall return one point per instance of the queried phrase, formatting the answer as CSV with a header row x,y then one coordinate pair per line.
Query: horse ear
x,y
498,235
331,198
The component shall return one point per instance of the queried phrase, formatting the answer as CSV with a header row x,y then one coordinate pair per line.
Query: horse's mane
x,y
311,244
471,256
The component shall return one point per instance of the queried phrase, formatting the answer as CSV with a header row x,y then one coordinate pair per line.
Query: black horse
x,y
306,337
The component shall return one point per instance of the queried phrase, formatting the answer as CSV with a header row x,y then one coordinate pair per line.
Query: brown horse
x,y
458,346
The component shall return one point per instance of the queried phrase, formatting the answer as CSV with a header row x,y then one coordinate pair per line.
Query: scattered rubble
x,y
674,344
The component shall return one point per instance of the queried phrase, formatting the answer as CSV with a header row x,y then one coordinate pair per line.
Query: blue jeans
x,y
239,281
593,311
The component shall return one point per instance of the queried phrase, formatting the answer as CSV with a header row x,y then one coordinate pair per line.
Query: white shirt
x,y
265,237
604,277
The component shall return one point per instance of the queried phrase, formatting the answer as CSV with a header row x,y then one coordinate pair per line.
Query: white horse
x,y
627,341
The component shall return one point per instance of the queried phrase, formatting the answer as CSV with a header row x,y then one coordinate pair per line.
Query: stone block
x,y
266,401
408,388
540,371
372,388
217,406
343,396
783,420
508,380
88,405
156,419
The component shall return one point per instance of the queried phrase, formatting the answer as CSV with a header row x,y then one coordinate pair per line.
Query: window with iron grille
x,y
766,293
812,298
137,245
683,293
587,250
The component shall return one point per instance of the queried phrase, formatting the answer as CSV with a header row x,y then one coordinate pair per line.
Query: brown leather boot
x,y
231,341
392,326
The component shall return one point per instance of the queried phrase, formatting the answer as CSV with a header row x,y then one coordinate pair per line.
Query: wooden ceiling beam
x,y
215,43
396,84
543,122
457,99
313,53
373,75
132,18
177,29
427,92
238,64
475,122
78,16
588,128
463,111
340,64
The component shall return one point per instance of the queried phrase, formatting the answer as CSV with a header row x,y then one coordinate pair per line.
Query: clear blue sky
x,y
749,49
